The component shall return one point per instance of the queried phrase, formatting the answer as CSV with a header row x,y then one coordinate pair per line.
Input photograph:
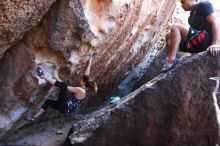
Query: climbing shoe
x,y
31,120
40,72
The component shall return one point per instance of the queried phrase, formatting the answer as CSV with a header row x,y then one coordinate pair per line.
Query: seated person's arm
x,y
214,49
215,28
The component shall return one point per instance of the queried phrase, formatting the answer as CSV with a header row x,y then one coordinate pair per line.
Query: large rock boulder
x,y
173,109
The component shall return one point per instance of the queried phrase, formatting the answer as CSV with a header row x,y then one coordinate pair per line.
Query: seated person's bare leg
x,y
177,33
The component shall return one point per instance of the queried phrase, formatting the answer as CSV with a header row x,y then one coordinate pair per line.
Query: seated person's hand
x,y
214,50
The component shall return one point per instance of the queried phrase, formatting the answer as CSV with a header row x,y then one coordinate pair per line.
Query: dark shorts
x,y
197,41
65,103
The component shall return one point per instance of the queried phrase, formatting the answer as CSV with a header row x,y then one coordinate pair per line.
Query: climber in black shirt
x,y
69,96
203,33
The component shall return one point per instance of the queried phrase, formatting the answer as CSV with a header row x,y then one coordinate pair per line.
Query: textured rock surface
x,y
17,17
62,35
176,108
17,83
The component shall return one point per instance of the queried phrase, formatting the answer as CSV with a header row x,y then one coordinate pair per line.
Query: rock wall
x,y
173,109
62,35
17,83
17,17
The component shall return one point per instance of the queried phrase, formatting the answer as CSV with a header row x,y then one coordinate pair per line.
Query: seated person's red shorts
x,y
197,41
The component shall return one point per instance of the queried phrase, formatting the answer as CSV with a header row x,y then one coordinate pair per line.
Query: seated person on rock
x,y
69,97
203,33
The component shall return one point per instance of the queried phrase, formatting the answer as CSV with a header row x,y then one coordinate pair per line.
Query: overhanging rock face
x,y
63,34
174,109
17,17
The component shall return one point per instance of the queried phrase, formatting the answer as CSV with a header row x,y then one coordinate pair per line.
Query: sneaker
x,y
31,120
40,72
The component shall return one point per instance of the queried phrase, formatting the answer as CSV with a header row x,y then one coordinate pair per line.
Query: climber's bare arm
x,y
88,65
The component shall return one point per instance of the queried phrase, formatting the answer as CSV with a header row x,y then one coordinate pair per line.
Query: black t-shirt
x,y
197,18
